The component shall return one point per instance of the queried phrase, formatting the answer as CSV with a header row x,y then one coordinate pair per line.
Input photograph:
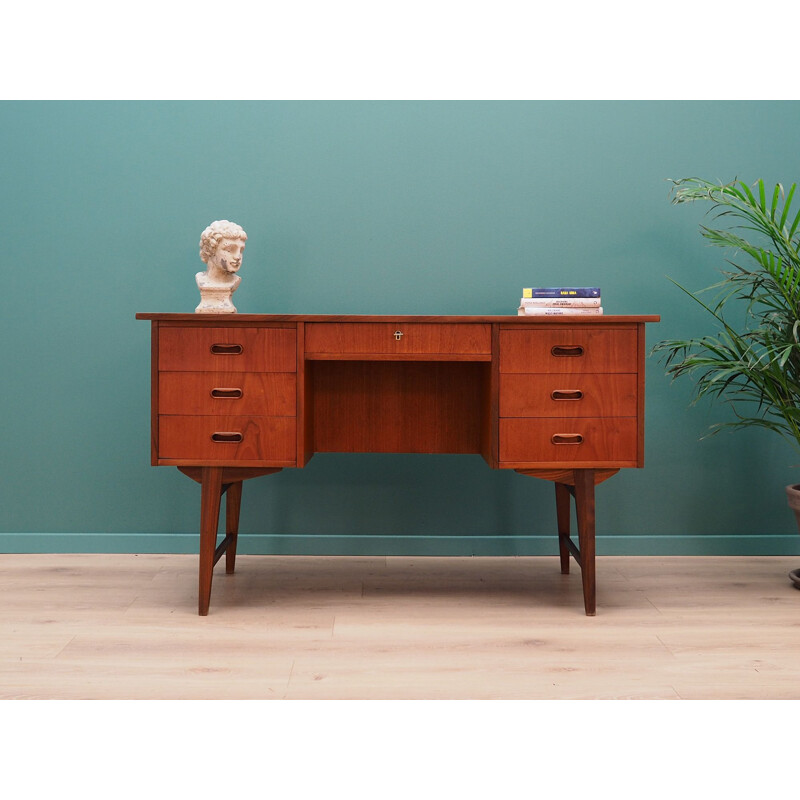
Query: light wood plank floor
x,y
125,626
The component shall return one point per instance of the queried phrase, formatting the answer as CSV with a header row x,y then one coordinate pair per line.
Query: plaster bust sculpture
x,y
221,249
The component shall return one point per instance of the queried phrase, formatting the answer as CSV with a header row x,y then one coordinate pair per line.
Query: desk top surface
x,y
571,319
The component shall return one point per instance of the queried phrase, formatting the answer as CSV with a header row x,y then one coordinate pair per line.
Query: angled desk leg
x,y
210,497
563,513
232,505
579,483
214,482
584,508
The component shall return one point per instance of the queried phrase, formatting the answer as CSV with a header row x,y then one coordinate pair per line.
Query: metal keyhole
x,y
398,335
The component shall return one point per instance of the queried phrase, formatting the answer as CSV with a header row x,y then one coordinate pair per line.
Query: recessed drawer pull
x,y
227,436
227,349
566,438
224,393
566,394
567,350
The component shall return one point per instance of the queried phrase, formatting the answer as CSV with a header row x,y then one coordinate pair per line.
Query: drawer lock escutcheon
x,y
398,335
227,436
566,438
225,393
567,351
227,349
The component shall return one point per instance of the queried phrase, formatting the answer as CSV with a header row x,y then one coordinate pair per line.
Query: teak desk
x,y
236,396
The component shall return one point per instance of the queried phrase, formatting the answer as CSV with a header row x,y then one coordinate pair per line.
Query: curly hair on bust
x,y
215,233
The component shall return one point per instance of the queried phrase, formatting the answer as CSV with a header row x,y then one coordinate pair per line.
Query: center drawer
x,y
332,339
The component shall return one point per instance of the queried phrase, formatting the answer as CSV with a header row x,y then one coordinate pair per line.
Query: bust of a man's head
x,y
221,248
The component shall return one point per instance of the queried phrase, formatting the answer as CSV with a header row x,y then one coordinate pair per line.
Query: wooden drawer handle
x,y
227,436
566,394
567,350
566,438
227,349
226,394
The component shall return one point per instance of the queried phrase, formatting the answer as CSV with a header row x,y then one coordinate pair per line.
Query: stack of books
x,y
559,301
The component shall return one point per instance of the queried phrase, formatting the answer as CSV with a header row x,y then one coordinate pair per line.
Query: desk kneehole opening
x,y
566,438
227,437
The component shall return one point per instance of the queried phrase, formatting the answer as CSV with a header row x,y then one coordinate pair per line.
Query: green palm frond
x,y
753,363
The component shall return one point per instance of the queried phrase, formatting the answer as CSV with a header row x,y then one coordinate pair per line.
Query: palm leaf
x,y
775,196
751,364
786,206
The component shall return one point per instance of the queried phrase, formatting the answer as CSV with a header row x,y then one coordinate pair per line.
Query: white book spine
x,y
566,302
537,311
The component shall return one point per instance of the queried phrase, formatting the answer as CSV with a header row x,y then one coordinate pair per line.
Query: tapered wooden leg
x,y
232,505
562,513
584,505
210,495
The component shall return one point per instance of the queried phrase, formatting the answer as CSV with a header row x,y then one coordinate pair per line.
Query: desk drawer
x,y
233,349
381,338
564,349
271,394
579,395
229,438
584,439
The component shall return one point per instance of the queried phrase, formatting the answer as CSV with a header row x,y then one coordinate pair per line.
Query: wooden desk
x,y
237,396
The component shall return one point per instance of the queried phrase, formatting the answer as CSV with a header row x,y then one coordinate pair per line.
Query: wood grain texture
x,y
154,326
337,339
211,493
489,405
229,474
189,348
398,407
305,420
605,441
233,504
563,506
507,321
603,349
566,477
101,626
585,513
640,333
397,356
267,391
264,439
272,394
578,395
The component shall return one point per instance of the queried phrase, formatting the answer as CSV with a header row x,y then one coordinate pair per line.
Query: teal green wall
x,y
361,207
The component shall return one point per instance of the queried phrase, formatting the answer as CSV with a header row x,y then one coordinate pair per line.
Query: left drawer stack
x,y
227,395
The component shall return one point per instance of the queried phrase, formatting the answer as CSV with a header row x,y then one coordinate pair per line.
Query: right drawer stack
x,y
568,396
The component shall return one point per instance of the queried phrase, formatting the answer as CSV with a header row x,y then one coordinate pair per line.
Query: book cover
x,y
562,291
552,311
570,302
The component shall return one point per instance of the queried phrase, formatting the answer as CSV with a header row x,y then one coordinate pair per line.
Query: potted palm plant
x,y
752,359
